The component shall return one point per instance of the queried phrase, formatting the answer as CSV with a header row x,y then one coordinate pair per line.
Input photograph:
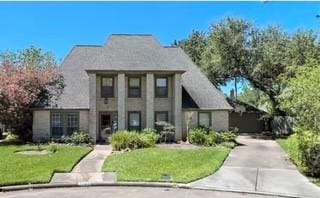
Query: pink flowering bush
x,y
23,87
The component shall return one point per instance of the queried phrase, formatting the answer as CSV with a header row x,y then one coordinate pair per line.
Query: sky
x,y
58,26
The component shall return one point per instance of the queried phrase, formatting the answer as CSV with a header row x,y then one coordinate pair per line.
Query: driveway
x,y
124,192
259,165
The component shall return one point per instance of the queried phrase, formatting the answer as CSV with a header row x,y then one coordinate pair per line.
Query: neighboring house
x,y
129,83
247,118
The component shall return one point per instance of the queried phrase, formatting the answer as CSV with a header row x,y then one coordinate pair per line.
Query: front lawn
x,y
154,163
23,169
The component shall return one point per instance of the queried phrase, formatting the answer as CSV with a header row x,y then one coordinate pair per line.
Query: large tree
x,y
264,57
194,45
29,78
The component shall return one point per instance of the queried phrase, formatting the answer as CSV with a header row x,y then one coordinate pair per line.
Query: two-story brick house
x,y
130,83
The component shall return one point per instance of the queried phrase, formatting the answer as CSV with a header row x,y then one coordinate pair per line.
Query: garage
x,y
247,118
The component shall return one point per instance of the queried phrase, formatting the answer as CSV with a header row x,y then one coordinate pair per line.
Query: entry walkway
x,y
88,170
259,166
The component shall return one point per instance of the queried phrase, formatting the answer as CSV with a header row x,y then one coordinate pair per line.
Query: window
x,y
64,123
161,90
134,90
134,120
204,119
160,116
72,123
57,124
107,87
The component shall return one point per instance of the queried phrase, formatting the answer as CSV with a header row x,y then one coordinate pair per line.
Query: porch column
x,y
150,100
121,102
178,106
93,106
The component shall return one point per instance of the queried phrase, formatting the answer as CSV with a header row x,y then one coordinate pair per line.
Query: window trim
x,y
101,85
130,128
134,87
156,95
65,121
206,112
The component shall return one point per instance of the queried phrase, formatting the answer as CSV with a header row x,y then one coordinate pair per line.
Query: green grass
x,y
18,169
151,164
290,146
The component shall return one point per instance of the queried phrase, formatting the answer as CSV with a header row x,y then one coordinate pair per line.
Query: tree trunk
x,y
275,106
235,88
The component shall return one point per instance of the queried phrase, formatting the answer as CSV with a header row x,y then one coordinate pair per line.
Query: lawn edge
x,y
315,181
172,182
43,182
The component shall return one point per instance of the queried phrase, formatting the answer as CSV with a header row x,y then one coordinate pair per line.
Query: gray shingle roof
x,y
134,53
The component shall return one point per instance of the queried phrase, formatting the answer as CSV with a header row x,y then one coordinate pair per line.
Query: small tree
x,y
27,79
188,119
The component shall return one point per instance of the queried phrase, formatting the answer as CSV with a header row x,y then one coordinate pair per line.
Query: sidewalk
x,y
88,170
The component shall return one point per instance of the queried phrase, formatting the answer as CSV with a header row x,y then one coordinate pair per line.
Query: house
x,y
247,118
129,83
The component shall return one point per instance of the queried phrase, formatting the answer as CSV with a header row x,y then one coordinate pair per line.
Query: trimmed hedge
x,y
133,140
201,136
309,147
80,137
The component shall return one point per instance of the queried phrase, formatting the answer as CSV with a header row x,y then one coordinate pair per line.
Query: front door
x,y
106,125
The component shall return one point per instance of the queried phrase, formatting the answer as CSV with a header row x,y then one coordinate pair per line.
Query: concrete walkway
x,y
88,169
259,166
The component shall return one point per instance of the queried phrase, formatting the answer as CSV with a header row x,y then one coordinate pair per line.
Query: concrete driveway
x,y
259,165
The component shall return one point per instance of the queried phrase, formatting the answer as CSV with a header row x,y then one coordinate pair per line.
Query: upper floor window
x,y
134,88
204,119
107,87
161,90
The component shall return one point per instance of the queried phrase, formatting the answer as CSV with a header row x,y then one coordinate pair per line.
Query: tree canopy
x,y
265,57
29,78
301,98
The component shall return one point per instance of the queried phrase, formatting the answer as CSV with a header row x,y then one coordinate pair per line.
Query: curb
x,y
135,184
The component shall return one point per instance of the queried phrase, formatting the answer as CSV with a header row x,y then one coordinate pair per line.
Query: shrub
x,y
80,138
148,139
228,136
201,137
230,145
133,140
124,139
149,130
211,139
309,147
197,136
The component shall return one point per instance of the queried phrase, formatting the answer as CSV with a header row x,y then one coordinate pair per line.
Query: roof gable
x,y
134,53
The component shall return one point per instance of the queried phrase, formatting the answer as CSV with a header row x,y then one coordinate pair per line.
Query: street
x,y
123,192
